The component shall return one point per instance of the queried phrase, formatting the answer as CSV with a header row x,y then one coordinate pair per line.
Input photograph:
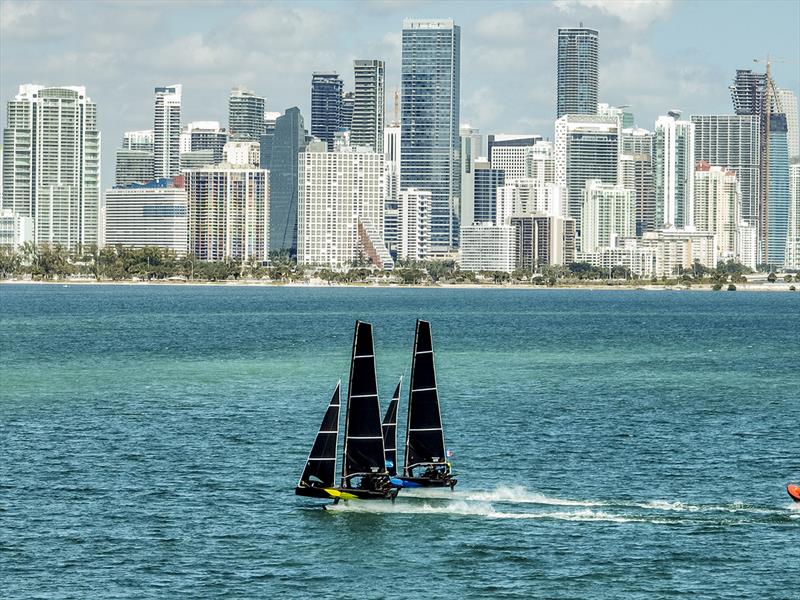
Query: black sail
x,y
363,441
390,431
424,434
320,468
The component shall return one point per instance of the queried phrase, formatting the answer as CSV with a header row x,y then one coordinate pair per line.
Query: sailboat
x,y
364,474
426,462
389,427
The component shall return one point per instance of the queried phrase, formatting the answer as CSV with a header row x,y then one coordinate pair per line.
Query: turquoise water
x,y
608,444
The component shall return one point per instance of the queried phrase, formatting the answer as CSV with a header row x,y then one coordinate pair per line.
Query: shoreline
x,y
740,287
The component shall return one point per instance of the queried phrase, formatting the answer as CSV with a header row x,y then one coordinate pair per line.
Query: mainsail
x,y
424,435
320,468
363,440
390,431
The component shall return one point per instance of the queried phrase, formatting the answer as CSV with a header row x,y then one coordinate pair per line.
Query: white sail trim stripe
x,y
364,396
363,356
332,458
424,352
424,389
328,431
364,437
426,429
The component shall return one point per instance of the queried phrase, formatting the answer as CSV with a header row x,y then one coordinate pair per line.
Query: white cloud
x,y
637,13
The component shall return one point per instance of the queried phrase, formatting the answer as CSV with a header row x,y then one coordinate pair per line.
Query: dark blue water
x,y
608,444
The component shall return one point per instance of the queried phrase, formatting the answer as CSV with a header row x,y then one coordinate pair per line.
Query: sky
x,y
655,55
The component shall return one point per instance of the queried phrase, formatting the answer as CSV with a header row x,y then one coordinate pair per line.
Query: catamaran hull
x,y
345,493
415,482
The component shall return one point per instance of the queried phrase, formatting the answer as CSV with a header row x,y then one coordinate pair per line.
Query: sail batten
x,y
363,445
390,431
320,469
424,433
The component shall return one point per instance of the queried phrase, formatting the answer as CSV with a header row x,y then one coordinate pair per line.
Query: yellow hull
x,y
334,493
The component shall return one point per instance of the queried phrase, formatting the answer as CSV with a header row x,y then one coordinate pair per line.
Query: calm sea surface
x,y
608,444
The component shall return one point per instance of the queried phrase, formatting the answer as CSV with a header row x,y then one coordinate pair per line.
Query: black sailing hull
x,y
426,482
336,493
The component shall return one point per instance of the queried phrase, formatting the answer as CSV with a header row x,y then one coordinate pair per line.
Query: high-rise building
x,y
430,146
747,248
609,212
528,195
391,214
228,212
205,135
586,147
776,218
288,141
414,224
348,106
134,160
242,153
340,198
487,247
540,162
148,214
246,114
793,233
732,141
636,166
677,250
326,106
51,164
167,131
542,240
717,206
748,92
623,113
471,145
788,105
487,180
512,154
369,105
577,71
15,229
673,168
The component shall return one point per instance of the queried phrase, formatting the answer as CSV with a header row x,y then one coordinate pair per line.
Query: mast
x,y
320,470
363,440
424,433
390,431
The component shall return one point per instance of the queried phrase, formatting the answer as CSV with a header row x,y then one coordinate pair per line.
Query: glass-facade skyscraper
x,y
577,71
487,180
287,141
245,114
430,143
777,208
326,106
368,111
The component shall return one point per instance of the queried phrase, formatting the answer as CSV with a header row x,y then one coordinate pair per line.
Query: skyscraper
x,y
288,140
673,167
245,114
391,214
778,198
732,141
636,166
414,224
471,145
487,180
793,234
348,105
511,153
206,135
586,147
369,107
609,212
51,164
577,71
430,144
135,158
167,131
326,106
788,104
717,206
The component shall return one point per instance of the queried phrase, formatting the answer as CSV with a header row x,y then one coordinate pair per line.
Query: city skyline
x,y
100,45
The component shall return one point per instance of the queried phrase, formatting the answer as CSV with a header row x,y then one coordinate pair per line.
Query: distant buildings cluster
x,y
422,186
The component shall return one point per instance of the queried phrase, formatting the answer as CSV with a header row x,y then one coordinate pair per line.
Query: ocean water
x,y
608,444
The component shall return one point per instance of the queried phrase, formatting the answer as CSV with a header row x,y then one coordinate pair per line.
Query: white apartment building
x,y
677,249
242,153
15,229
639,261
528,195
391,216
673,165
228,212
336,190
51,164
747,244
540,162
487,247
793,231
717,206
167,131
609,212
512,154
152,214
414,207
